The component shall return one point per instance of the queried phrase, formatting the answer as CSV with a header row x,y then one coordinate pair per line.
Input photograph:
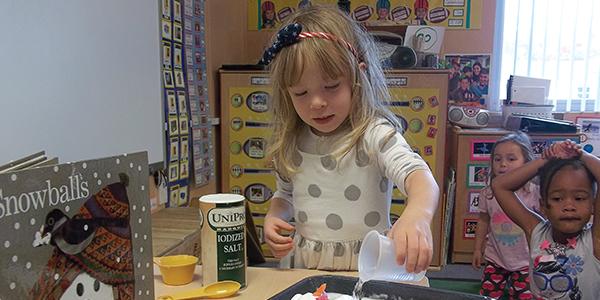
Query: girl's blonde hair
x,y
369,90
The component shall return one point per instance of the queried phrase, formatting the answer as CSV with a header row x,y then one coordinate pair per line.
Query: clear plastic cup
x,y
377,260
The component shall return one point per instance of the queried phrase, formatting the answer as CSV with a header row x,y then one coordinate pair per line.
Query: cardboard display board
x,y
78,229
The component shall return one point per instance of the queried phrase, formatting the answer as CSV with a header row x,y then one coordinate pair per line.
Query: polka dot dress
x,y
337,202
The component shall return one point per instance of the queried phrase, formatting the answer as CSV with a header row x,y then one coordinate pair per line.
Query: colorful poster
x,y
591,128
470,227
269,14
418,110
454,14
468,81
474,198
481,149
477,175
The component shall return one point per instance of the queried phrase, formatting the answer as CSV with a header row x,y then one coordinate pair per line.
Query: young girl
x,y
564,260
337,151
506,253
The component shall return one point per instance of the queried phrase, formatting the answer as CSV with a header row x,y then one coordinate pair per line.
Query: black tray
x,y
396,291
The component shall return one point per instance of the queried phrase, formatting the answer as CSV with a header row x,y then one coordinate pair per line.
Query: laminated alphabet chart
x,y
195,64
186,106
77,230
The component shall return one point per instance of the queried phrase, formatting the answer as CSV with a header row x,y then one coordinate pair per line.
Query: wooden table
x,y
262,283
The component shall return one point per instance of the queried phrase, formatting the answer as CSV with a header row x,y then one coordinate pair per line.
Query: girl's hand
x,y
414,246
280,245
477,259
563,150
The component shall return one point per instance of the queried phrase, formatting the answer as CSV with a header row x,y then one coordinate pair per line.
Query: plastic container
x,y
373,289
377,260
176,269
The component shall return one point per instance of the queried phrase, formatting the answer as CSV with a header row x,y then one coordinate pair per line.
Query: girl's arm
x,y
480,238
593,164
276,222
412,231
280,213
397,161
504,187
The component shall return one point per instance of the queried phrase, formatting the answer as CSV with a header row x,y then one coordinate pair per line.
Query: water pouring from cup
x,y
377,260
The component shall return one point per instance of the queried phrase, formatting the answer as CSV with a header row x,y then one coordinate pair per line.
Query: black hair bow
x,y
288,35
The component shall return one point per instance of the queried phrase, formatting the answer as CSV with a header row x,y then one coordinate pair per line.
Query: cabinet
x,y
418,99
470,160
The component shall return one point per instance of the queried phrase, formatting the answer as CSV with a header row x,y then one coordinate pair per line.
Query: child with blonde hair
x,y
337,150
564,258
499,241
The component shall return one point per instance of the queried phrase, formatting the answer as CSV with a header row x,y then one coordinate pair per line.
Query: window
x,y
555,39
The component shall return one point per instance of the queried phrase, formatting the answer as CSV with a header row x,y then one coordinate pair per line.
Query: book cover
x,y
77,231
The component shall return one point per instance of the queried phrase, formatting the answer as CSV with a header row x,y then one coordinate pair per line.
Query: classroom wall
x,y
230,42
473,41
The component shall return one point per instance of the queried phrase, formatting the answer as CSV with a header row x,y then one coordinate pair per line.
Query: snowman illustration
x,y
92,256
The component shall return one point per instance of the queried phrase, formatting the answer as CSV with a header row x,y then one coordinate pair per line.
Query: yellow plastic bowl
x,y
176,269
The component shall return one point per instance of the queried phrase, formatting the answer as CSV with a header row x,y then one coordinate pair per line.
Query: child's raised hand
x,y
414,246
280,245
563,150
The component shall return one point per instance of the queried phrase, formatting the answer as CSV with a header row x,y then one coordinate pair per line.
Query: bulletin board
x,y
457,14
186,107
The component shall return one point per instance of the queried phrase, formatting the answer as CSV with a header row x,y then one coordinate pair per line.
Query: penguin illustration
x,y
72,235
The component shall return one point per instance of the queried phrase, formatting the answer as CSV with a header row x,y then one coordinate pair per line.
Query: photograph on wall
x,y
258,193
189,57
477,175
538,147
179,79
173,125
182,102
177,10
166,9
470,226
174,149
70,231
469,78
183,169
255,148
174,171
168,78
184,124
183,195
481,149
166,29
174,195
166,55
171,102
177,32
184,147
177,55
474,198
